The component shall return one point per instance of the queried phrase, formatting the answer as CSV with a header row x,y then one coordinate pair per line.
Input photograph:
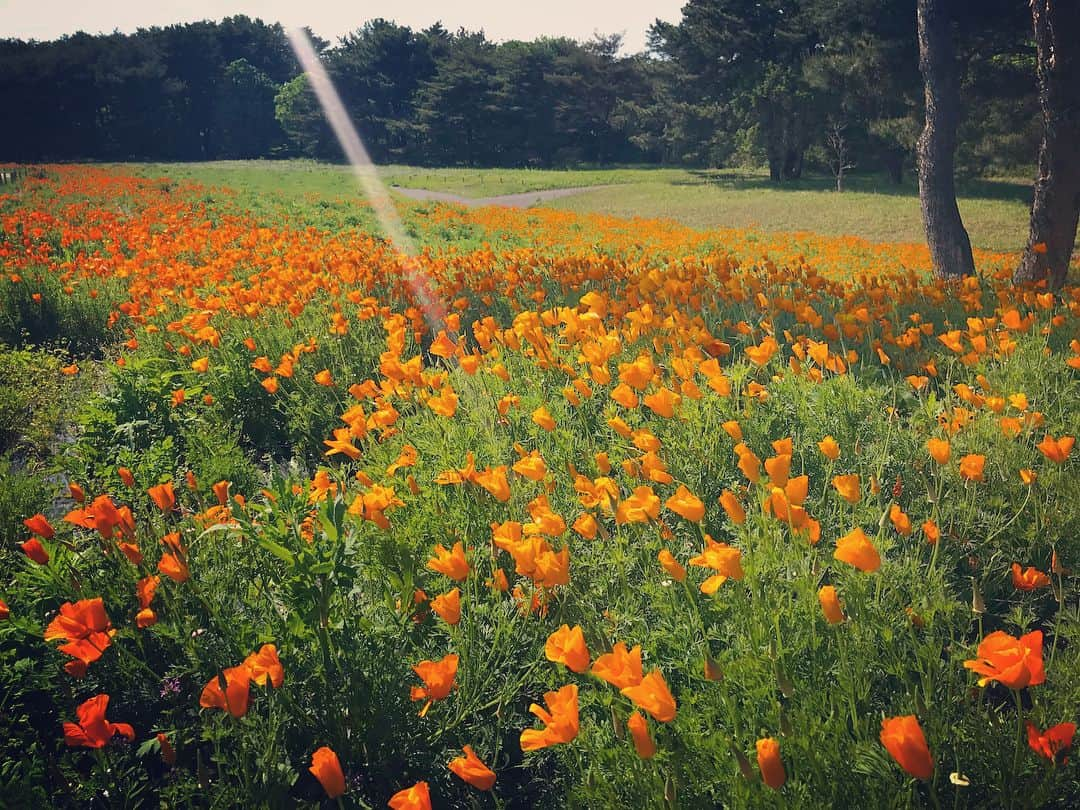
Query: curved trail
x,y
520,200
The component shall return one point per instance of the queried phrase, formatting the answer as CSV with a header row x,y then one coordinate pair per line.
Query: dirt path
x,y
521,200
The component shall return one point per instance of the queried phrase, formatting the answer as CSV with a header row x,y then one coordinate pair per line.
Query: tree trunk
x,y
950,248
1056,203
793,163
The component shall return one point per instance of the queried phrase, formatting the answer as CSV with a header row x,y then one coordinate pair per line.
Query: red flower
x,y
93,730
1028,579
163,496
39,526
234,697
168,753
265,665
86,628
417,797
903,738
33,549
1013,662
326,767
471,769
1054,743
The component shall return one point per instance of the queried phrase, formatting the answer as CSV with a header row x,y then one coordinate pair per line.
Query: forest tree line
x,y
789,84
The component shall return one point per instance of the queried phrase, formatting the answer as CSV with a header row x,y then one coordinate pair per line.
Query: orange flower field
x,y
561,511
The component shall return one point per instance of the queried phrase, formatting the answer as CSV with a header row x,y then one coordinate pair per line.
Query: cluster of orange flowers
x,y
661,320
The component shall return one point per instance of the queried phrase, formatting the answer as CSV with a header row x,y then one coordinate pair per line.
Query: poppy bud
x,y
616,724
745,768
977,604
770,764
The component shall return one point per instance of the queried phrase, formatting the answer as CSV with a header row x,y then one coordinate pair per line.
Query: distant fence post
x,y
13,174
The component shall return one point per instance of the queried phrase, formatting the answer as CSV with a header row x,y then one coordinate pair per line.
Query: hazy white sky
x,y
500,19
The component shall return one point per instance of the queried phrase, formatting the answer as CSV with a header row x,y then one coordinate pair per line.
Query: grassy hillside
x,y
995,211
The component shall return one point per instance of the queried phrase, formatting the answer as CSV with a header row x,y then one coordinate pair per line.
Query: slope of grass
x,y
995,211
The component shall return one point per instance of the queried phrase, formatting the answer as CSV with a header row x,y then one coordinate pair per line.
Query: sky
x,y
499,19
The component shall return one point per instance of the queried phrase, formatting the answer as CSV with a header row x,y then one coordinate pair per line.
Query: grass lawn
x,y
995,211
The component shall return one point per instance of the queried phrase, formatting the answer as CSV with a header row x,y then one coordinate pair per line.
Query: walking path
x,y
521,200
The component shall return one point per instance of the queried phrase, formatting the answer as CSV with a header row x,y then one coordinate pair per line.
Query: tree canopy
x,y
783,83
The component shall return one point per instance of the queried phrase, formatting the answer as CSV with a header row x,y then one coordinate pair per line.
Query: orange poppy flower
x,y
438,677
619,667
494,481
778,469
856,549
671,565
93,730
1057,450
40,526
829,448
903,738
326,767
35,551
686,504
86,628
830,605
163,496
663,402
770,764
1012,662
77,493
639,732
472,770
749,464
448,606
444,403
560,720
734,509
5,611
531,466
624,395
265,665
543,418
175,567
145,589
417,797
725,559
653,695
849,487
732,429
450,563
1054,743
931,531
971,467
939,450
221,492
233,698
900,521
567,646
586,526
639,507
168,753
1029,579
270,384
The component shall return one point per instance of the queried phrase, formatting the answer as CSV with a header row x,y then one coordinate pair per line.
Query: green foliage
x,y
732,83
32,401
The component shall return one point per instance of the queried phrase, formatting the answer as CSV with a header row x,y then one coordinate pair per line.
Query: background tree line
x,y
830,84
